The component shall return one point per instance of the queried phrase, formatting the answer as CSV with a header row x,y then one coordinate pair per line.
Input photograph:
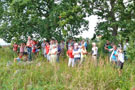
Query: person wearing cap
x,y
94,53
76,53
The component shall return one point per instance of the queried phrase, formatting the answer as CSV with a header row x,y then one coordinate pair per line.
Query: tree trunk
x,y
115,30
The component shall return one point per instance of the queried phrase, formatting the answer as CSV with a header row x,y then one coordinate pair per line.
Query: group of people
x,y
117,54
76,51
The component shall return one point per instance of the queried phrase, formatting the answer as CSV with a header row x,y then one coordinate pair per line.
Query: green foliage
x,y
40,75
41,19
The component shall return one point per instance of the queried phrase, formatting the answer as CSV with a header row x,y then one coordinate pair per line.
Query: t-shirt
x,y
53,51
126,46
29,43
59,49
69,44
47,49
38,46
15,47
34,42
77,53
110,47
114,58
21,49
25,49
82,52
80,46
121,57
34,48
94,50
70,53
43,45
62,45
85,44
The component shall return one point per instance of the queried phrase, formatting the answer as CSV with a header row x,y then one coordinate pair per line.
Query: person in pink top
x,y
22,48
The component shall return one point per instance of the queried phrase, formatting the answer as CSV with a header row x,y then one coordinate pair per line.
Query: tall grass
x,y
40,75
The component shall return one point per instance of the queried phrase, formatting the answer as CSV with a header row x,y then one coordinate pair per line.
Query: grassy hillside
x,y
40,75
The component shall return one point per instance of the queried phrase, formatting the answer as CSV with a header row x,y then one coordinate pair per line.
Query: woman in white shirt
x,y
53,54
94,53
76,53
120,60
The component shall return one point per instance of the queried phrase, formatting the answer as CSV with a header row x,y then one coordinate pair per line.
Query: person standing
x,y
86,45
34,48
58,53
38,47
29,48
15,47
126,45
94,53
120,60
43,48
47,48
22,48
71,56
83,54
76,53
53,54
114,55
108,46
62,45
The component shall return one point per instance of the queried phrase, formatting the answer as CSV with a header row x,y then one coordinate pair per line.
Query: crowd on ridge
x,y
76,51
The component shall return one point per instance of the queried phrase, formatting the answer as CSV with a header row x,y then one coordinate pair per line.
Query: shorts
x,y
18,59
37,50
77,59
114,62
48,57
25,53
121,65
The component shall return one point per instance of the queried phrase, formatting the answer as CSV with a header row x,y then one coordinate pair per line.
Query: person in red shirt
x,y
71,56
15,47
33,46
47,47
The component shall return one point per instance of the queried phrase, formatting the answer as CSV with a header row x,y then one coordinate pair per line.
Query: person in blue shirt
x,y
114,55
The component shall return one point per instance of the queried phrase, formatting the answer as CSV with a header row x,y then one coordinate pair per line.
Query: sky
x,y
92,24
86,34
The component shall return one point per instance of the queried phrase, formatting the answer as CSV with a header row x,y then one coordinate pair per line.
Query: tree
x,y
42,19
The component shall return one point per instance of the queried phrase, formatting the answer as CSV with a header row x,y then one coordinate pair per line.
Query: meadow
x,y
41,75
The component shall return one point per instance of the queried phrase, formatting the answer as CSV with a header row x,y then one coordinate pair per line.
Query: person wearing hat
x,y
76,53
